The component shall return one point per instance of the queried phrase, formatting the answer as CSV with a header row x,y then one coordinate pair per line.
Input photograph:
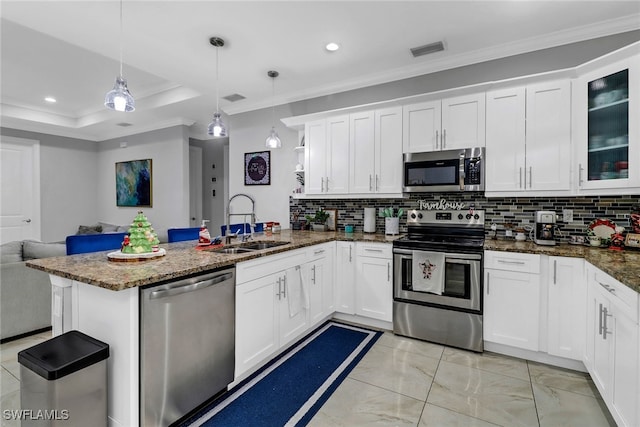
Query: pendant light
x,y
119,98
273,141
217,128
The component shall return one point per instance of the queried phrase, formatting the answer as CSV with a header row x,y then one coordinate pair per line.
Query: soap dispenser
x,y
204,238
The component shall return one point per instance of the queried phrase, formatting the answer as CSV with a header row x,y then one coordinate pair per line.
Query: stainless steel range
x,y
437,286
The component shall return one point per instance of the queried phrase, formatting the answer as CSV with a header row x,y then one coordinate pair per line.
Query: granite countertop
x,y
182,259
623,266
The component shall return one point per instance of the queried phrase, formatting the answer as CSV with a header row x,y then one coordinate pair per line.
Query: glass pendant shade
x,y
273,140
217,128
119,98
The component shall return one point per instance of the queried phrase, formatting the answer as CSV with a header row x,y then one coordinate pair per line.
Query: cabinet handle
x,y
530,178
488,275
555,270
607,287
580,169
388,271
350,248
377,183
327,183
502,261
520,175
370,183
318,252
313,279
372,250
284,287
279,288
605,331
322,185
436,140
444,139
600,320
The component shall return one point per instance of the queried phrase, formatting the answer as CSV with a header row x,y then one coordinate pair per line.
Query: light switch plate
x,y
567,215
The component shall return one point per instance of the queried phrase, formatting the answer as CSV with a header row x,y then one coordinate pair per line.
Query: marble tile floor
x,y
406,382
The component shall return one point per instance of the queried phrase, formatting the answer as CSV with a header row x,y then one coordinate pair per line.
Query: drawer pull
x,y
372,250
511,262
607,287
318,252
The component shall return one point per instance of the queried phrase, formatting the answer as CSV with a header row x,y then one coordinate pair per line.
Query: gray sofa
x,y
25,293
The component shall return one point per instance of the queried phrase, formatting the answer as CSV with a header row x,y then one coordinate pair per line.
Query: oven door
x,y
462,281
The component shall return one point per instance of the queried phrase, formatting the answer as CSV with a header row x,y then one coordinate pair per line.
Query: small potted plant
x,y
318,220
391,220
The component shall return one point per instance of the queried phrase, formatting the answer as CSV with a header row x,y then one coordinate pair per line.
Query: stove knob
x,y
420,215
476,217
468,216
460,216
413,216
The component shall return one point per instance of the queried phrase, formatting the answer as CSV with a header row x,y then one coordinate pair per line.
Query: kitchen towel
x,y
428,272
295,291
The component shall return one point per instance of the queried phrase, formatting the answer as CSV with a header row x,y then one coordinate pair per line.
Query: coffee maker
x,y
545,228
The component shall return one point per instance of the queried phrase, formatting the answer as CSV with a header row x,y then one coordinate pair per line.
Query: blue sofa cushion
x,y
182,234
84,243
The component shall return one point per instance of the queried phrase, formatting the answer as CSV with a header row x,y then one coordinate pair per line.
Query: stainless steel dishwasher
x,y
187,344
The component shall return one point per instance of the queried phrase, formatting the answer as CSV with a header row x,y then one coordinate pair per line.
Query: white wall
x,y
169,151
68,187
247,134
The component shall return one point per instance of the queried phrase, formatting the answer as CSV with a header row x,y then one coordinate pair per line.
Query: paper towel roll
x,y
369,220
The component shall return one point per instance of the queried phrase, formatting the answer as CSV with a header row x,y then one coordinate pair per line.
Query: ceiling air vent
x,y
233,97
124,125
427,49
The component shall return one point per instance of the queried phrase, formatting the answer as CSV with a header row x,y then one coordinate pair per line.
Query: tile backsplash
x,y
517,211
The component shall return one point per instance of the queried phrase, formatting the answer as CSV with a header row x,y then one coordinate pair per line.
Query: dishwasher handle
x,y
191,287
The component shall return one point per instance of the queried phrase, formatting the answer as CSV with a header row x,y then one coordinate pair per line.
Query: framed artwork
x,y
257,168
332,222
134,183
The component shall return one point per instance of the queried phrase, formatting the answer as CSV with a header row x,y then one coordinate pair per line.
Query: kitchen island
x,y
102,299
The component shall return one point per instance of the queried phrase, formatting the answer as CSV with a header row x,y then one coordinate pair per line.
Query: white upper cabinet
x,y
529,138
326,158
447,124
607,129
376,151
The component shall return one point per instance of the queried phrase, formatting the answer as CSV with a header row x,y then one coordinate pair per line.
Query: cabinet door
x,y
345,278
362,174
290,327
388,149
566,308
463,122
256,321
337,178
624,340
373,288
321,289
421,127
505,149
598,352
548,136
511,308
315,158
606,129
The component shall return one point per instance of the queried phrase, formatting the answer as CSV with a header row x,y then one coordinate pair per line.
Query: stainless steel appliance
x,y
453,317
187,344
544,231
448,170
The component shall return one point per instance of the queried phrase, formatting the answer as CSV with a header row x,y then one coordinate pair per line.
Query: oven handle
x,y
454,257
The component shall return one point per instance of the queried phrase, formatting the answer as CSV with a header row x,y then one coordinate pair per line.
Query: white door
x,y
195,186
505,139
388,136
421,127
463,122
290,326
315,156
373,288
362,153
20,189
337,179
345,275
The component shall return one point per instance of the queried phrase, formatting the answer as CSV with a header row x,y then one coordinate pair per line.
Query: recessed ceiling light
x,y
332,47
50,99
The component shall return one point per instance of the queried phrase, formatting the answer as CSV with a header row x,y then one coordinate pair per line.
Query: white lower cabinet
x,y
566,308
319,283
374,275
512,299
345,276
611,355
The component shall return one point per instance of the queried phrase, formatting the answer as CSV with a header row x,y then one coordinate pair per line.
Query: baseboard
x,y
26,334
535,356
363,321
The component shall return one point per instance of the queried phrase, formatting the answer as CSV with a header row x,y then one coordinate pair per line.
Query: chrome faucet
x,y
252,214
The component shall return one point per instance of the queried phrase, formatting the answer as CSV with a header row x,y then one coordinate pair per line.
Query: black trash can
x,y
64,382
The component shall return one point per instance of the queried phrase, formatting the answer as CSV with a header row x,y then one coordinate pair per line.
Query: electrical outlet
x,y
567,215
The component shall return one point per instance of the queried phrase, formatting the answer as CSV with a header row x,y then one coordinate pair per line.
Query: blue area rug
x,y
291,389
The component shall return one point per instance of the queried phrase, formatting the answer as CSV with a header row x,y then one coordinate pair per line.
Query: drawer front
x,y
266,265
624,298
374,250
320,251
512,261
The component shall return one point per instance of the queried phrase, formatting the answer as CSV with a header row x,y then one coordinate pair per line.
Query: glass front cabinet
x,y
607,127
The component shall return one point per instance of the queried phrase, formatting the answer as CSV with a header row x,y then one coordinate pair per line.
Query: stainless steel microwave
x,y
444,171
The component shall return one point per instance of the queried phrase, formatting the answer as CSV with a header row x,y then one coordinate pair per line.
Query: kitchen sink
x,y
233,250
256,246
